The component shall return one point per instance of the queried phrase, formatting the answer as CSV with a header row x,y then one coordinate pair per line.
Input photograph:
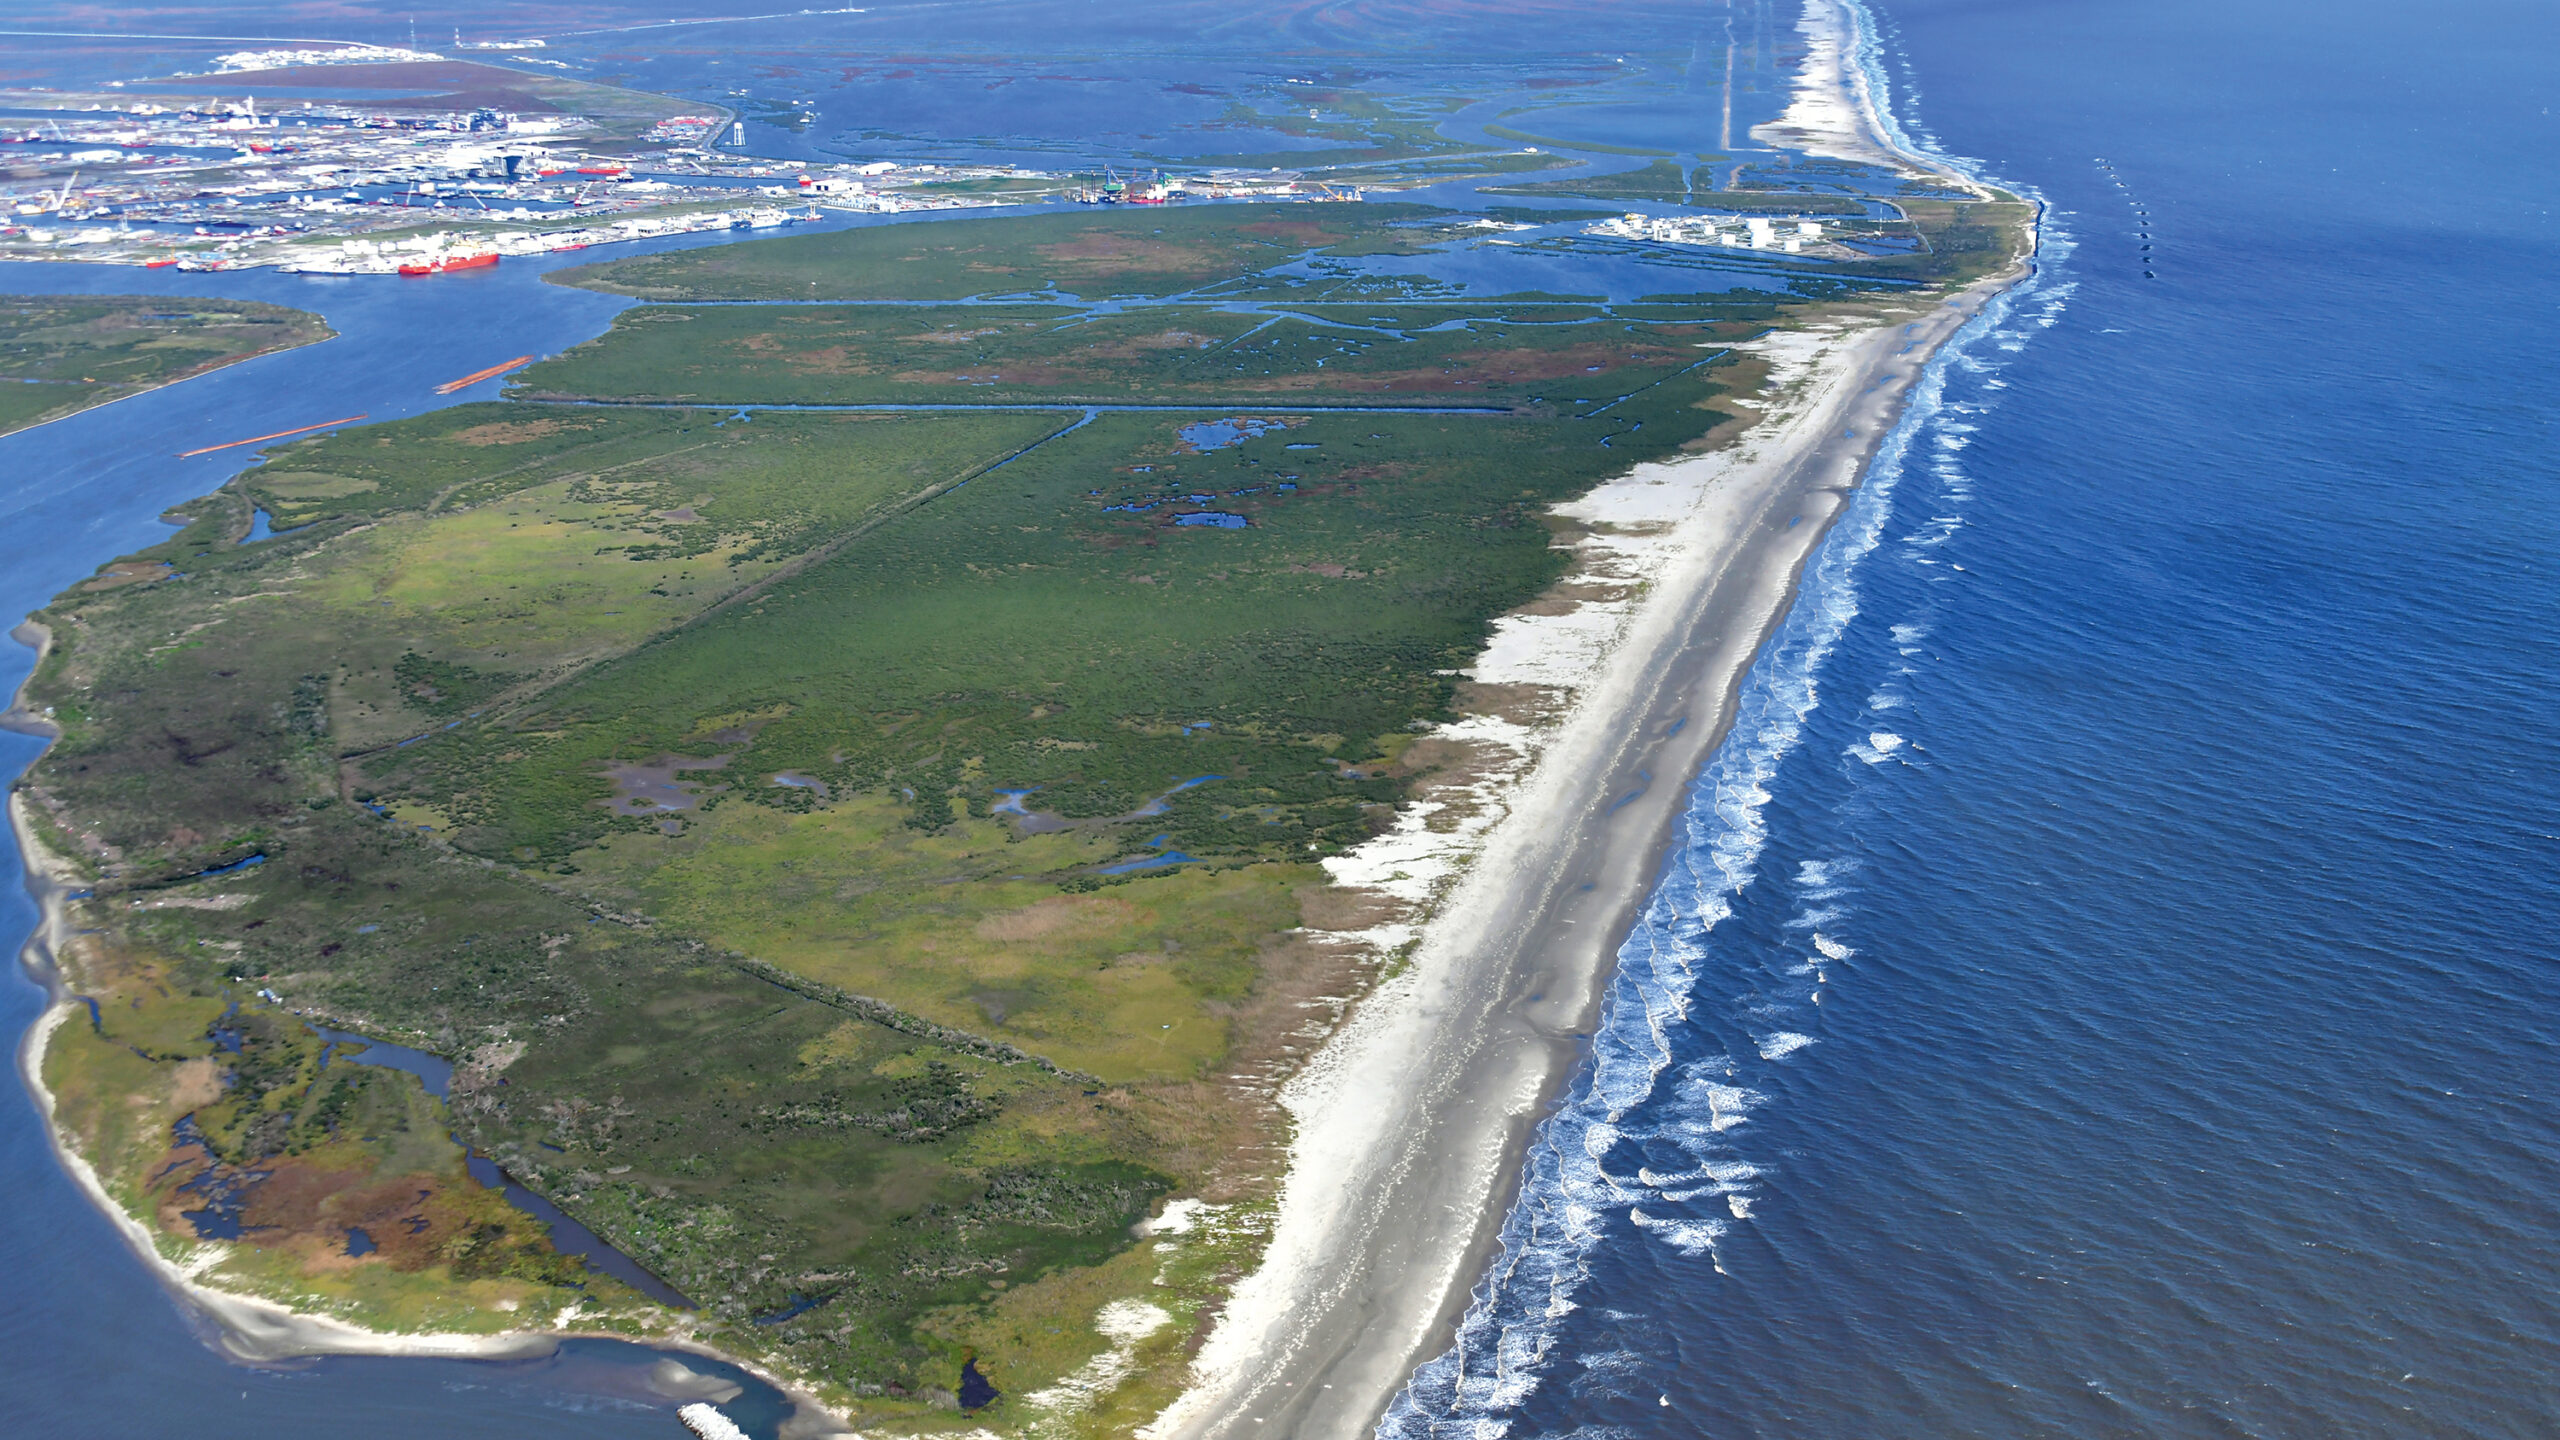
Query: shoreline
x,y
1415,1116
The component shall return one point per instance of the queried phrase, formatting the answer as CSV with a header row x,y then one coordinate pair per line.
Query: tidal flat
x,y
862,863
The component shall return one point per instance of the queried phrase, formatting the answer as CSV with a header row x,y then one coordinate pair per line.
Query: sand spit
x,y
243,1327
1833,115
246,1328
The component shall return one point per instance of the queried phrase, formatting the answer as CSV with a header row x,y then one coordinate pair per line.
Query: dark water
x,y
2108,989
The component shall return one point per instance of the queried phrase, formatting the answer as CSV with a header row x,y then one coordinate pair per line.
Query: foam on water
x,y
1780,1044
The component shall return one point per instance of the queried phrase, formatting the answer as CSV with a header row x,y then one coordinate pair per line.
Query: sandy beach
x,y
1510,890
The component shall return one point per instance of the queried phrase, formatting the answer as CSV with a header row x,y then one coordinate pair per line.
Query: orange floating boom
x,y
476,376
279,435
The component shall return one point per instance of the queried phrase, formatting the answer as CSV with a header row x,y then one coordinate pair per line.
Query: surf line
x,y
279,435
476,376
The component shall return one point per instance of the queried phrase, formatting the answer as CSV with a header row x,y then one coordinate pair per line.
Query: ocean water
x,y
2105,986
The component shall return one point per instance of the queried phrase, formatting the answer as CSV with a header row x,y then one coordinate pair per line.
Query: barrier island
x,y
849,785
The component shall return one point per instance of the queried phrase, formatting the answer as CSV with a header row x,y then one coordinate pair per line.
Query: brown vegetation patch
x,y
196,1083
831,360
1161,340
1567,597
1084,914
1520,704
130,572
1431,755
1346,907
1102,252
1724,432
1305,232
1308,984
512,432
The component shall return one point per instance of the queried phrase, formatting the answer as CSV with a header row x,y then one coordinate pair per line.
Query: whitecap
x,y
1689,1237
1831,949
1728,1105
1779,1044
1877,747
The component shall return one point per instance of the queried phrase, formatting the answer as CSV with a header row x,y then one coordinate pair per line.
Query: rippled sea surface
x,y
2106,986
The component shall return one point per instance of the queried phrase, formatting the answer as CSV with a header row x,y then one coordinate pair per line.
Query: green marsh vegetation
x,y
858,859
1094,253
64,353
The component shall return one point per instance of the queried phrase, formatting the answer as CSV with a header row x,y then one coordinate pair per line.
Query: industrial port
x,y
1793,235
331,190
353,188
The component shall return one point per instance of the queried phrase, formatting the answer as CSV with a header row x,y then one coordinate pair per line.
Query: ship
x,y
443,263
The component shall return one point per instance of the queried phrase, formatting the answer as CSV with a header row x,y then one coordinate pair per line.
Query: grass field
x,y
1518,355
1093,254
60,354
852,856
